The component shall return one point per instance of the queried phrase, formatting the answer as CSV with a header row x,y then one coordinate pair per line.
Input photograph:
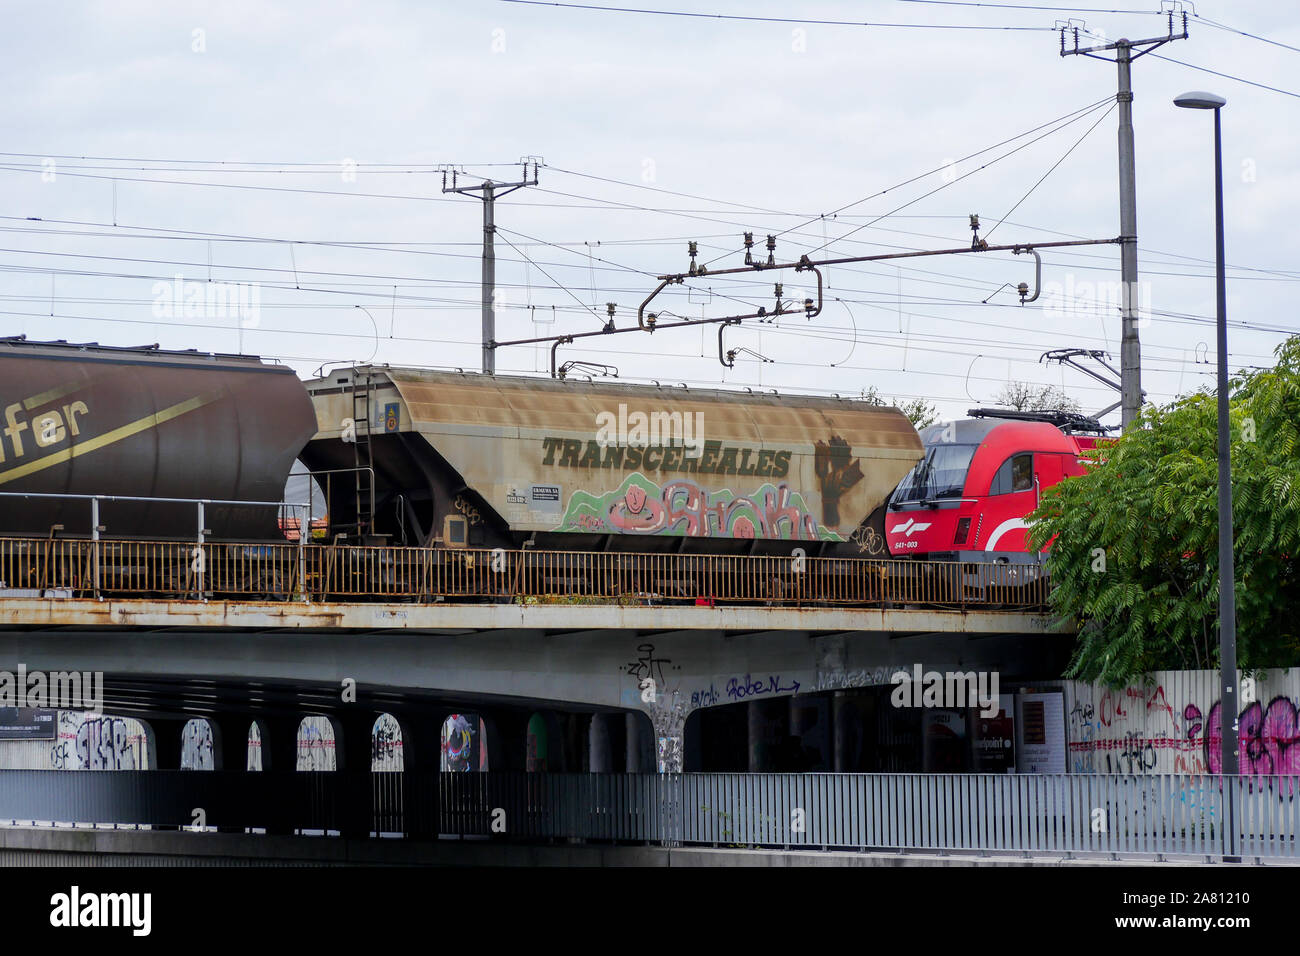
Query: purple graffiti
x,y
1267,739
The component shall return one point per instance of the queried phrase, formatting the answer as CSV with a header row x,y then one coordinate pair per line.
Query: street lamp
x,y
1228,709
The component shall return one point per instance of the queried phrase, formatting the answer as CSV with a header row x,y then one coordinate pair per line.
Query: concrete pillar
x,y
809,741
353,737
798,710
577,743
840,710
768,725
635,744
279,755
279,742
507,735
230,742
165,743
757,747
421,775
598,744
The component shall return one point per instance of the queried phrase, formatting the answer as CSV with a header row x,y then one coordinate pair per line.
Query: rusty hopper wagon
x,y
457,460
145,422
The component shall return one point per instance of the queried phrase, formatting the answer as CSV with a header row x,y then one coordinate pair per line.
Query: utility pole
x,y
1130,355
490,192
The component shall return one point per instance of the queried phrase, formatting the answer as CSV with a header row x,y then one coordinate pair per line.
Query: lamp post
x,y
1228,708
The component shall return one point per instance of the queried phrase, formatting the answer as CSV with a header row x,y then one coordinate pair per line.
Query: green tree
x,y
1134,542
918,411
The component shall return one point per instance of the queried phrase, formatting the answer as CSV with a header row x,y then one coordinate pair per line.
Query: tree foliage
x,y
918,411
1135,561
1031,397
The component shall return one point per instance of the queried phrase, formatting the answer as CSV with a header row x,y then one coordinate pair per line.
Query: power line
x,y
1022,6
1223,26
1067,118
1227,76
1051,170
754,19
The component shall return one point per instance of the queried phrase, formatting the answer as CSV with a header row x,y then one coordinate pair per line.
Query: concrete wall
x,y
83,742
1170,724
87,741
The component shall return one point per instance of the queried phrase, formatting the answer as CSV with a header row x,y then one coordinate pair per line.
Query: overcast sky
x,y
653,130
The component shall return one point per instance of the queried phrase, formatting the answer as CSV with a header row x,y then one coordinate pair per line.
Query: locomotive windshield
x,y
940,474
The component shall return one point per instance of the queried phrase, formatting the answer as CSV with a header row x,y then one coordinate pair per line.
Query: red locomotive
x,y
968,497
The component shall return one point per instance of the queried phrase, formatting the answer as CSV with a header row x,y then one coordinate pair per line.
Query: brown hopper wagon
x,y
456,460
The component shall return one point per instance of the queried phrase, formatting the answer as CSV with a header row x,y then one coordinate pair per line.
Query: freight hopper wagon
x,y
123,423
146,452
464,462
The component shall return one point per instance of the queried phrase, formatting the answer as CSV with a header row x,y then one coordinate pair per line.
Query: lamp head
x,y
1199,100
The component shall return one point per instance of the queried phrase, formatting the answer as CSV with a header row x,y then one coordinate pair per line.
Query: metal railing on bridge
x,y
1067,814
178,570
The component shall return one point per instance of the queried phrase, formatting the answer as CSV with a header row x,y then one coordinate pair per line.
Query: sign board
x,y
994,738
28,723
1040,730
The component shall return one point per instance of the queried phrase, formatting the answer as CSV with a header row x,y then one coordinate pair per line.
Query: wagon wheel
x,y
274,584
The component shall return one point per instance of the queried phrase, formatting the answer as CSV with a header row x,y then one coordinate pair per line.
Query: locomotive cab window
x,y
1016,474
940,474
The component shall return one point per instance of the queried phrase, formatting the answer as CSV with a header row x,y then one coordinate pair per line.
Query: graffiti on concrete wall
x,y
196,746
386,744
1173,724
97,742
316,744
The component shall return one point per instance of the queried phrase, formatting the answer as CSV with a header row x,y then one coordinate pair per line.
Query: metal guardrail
x,y
336,572
1165,815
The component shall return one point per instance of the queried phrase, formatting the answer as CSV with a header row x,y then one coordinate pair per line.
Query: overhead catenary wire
x,y
758,19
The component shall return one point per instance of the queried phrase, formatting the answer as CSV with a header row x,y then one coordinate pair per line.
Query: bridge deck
x,y
40,613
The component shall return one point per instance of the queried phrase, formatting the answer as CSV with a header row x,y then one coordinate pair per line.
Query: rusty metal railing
x,y
41,567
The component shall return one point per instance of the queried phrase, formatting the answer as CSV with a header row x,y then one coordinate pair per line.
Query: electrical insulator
x,y
808,306
1023,289
691,249
749,246
771,248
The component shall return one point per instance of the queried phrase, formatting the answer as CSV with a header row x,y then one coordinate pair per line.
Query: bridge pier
x,y
421,772
507,739
353,743
230,741
164,744
638,749
598,744
768,722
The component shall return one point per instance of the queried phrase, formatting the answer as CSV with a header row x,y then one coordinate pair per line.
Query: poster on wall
x,y
1040,727
461,743
943,741
994,738
27,723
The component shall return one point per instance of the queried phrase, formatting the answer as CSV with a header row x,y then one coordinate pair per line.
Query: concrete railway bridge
x,y
605,688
